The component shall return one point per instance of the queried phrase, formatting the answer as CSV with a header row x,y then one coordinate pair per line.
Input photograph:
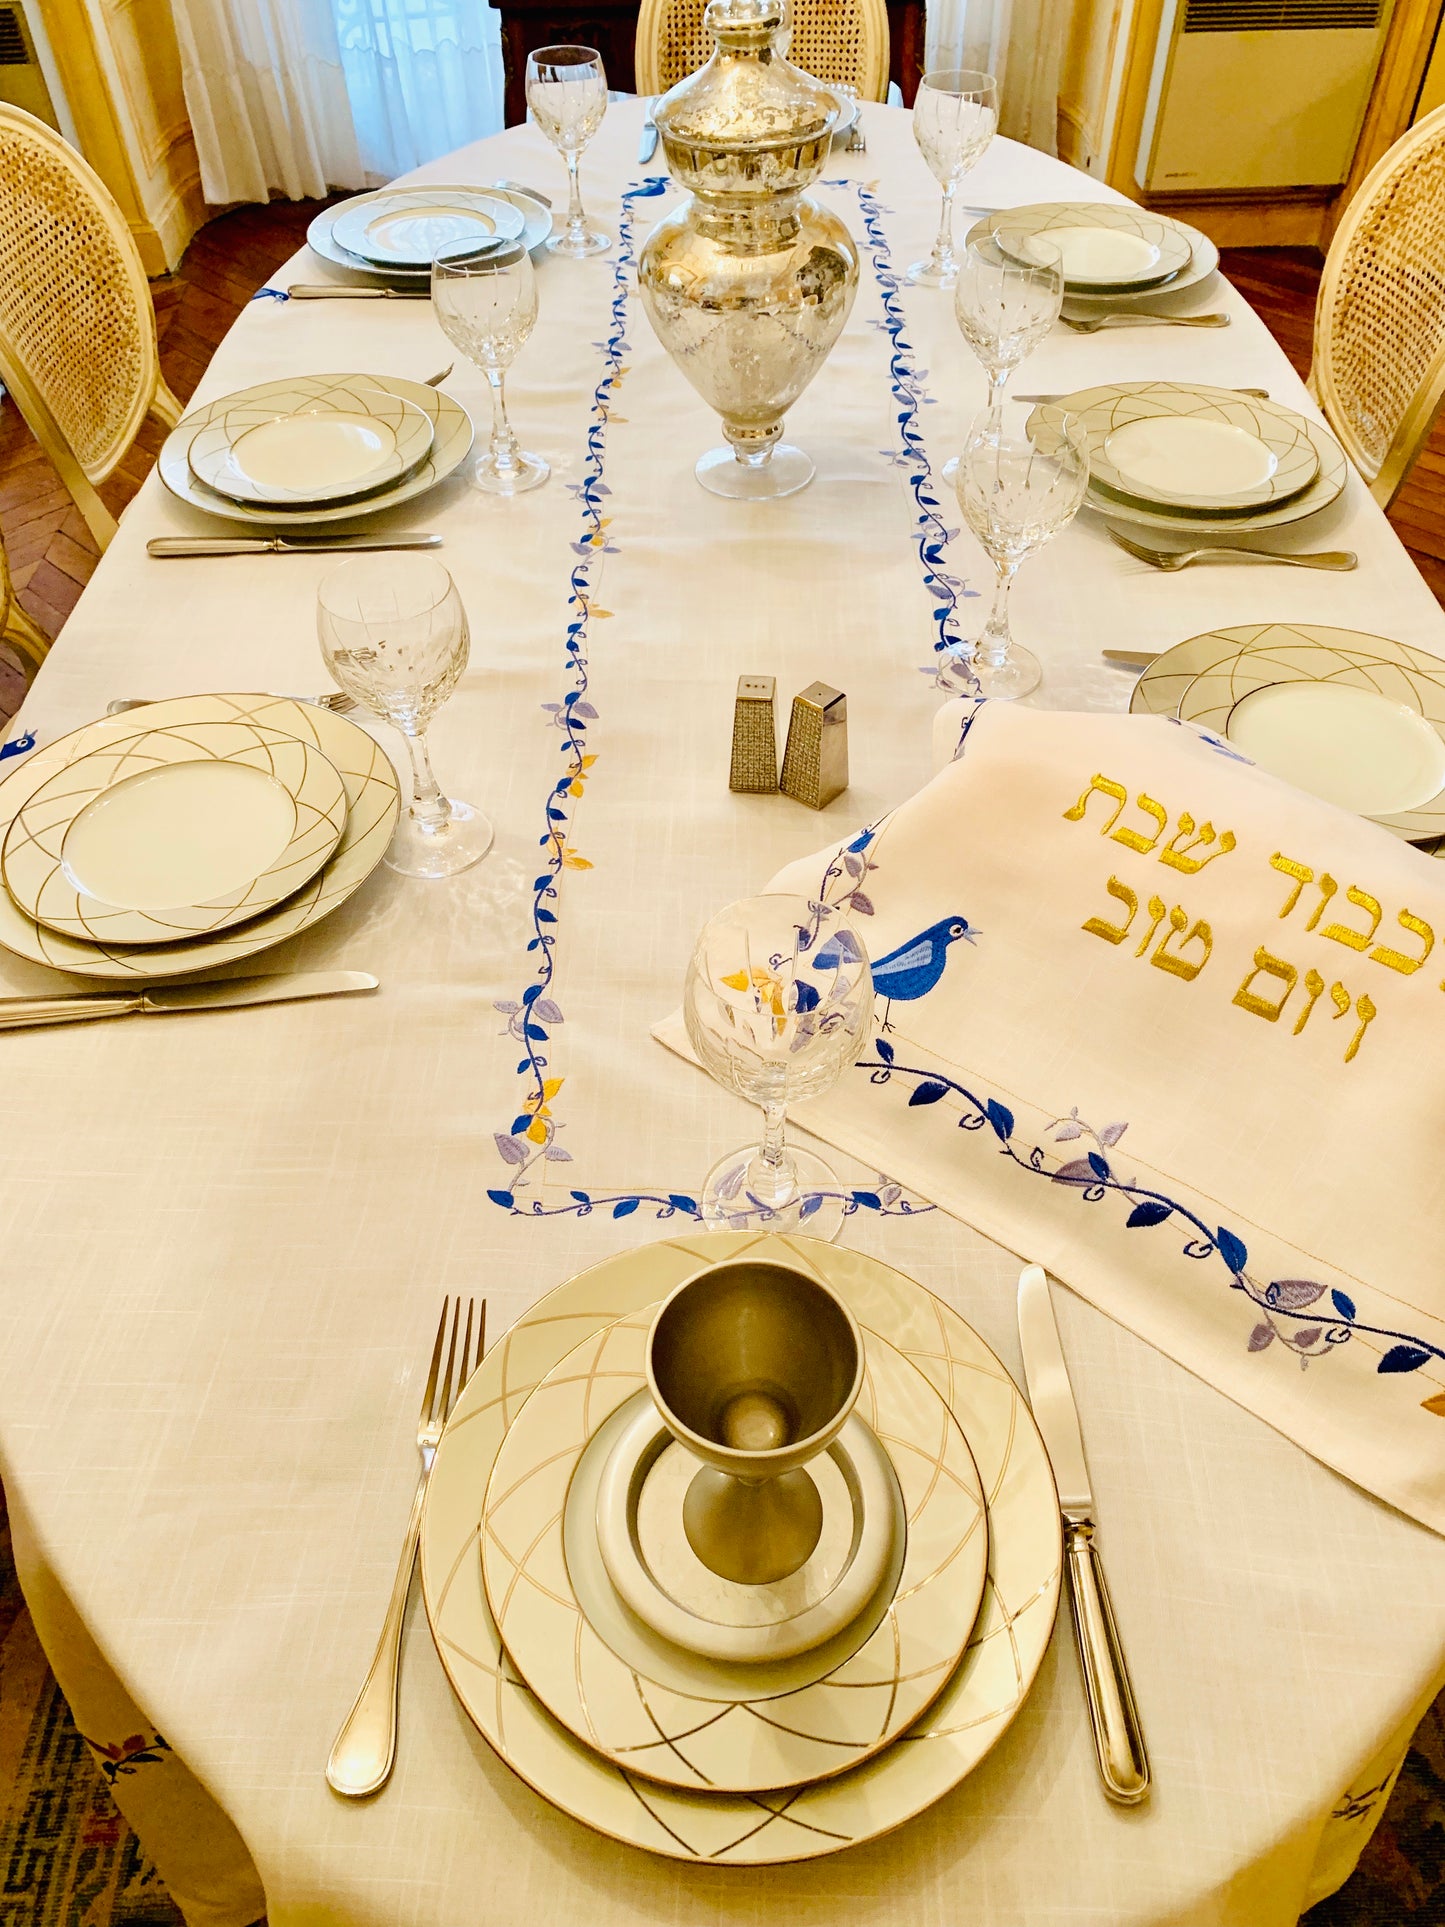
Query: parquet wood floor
x,y
53,555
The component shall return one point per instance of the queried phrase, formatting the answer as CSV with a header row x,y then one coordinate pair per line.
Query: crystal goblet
x,y
955,116
484,295
567,93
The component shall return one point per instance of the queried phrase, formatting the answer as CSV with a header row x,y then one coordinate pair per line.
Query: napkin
x,y
1155,1019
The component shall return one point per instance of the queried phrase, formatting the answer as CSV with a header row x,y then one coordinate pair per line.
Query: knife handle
x,y
1118,1737
161,546
24,1013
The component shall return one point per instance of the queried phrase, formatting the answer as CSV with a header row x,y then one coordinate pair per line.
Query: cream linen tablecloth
x,y
227,1236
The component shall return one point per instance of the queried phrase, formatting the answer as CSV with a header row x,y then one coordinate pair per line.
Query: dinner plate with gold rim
x,y
546,1603
288,447
373,800
537,226
403,227
174,832
1203,260
1106,247
1180,445
1356,719
451,442
735,1829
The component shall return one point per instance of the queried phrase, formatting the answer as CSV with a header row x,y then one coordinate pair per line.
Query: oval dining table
x,y
227,1236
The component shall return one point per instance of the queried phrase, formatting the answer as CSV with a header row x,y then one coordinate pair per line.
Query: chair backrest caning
x,y
1379,347
837,40
77,328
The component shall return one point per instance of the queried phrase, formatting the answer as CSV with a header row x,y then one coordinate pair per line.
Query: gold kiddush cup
x,y
754,1369
749,283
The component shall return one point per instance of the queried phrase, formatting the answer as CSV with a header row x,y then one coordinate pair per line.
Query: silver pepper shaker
x,y
755,739
815,762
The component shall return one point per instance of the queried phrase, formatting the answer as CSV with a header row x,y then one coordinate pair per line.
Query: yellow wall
x,y
1090,82
121,70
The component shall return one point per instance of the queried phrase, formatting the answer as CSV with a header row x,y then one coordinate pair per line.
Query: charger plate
x,y
174,832
287,447
736,1829
1107,247
536,214
451,441
403,227
1178,445
373,802
543,1610
1355,718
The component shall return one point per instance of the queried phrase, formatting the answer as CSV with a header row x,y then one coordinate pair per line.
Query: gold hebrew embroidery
x,y
1301,872
1133,839
1106,787
1115,932
1342,999
1365,1011
1342,933
1156,917
1328,887
1180,966
1272,967
1396,959
1315,985
1180,859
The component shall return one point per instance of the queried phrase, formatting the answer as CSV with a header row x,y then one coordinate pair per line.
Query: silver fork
x,y
365,1749
1142,318
1181,558
336,700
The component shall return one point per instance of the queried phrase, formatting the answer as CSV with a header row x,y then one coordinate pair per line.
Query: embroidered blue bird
x,y
914,968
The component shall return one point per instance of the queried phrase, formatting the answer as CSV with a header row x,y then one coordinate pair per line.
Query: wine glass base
x,y
422,850
815,1205
948,474
528,471
926,274
786,470
580,248
1015,676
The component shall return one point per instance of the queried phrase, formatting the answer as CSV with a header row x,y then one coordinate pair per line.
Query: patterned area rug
x,y
68,1859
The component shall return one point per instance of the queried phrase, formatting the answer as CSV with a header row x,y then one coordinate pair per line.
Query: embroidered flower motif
x,y
137,1751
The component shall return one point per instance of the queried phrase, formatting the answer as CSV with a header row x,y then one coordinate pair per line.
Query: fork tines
x,y
436,1406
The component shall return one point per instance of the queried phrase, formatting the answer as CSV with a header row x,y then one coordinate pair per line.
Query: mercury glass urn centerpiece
x,y
749,283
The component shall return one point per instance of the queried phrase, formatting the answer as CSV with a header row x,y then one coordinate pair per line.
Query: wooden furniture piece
x,y
16,627
1379,354
611,27
837,40
77,329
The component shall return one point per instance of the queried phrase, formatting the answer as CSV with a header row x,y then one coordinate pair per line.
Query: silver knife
x,y
20,1013
1132,658
328,291
1259,394
1118,1737
162,546
647,146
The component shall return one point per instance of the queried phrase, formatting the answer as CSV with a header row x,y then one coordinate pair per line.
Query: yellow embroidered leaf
x,y
574,862
602,614
575,789
552,1086
1435,1405
537,1131
588,761
738,980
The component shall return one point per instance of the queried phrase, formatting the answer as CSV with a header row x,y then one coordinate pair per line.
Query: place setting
x,y
1116,260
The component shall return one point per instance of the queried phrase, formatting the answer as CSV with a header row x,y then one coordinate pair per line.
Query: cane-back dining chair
x,y
1379,352
844,41
77,328
16,627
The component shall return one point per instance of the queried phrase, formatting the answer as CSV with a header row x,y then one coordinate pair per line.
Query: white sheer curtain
x,y
424,76
267,98
1020,42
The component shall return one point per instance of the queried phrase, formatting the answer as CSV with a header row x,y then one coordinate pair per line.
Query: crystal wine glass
x,y
1016,495
394,635
484,295
779,1002
955,116
1009,291
567,93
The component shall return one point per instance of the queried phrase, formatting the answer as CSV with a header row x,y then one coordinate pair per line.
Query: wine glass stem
x,y
576,216
992,647
504,442
943,244
428,805
774,1167
997,383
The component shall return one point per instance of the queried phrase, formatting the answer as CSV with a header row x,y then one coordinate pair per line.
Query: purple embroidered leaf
x,y
1260,1337
507,1007
554,1154
1293,1294
1231,1249
927,1093
1147,1213
1111,1133
813,1202
1099,1166
548,1011
1001,1118
503,1198
890,1194
1403,1358
625,1207
1076,1171
885,1050
1303,1340
1343,1305
853,863
862,904
1066,1131
511,1150
586,711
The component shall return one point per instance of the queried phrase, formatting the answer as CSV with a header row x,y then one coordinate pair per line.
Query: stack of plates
x,y
315,448
680,1747
1114,254
189,833
1357,719
393,234
1198,460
